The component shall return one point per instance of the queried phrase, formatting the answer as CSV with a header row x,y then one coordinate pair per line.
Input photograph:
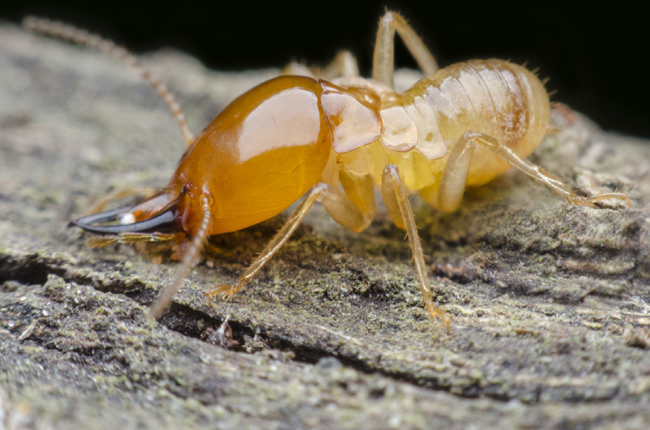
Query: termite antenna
x,y
190,257
72,34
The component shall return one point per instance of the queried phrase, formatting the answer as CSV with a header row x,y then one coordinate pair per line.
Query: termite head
x,y
285,120
352,116
156,214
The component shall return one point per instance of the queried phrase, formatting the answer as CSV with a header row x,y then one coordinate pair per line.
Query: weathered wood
x,y
333,334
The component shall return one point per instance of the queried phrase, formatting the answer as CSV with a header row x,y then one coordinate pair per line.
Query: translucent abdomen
x,y
501,99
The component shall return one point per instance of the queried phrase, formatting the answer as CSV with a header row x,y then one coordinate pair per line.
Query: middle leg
x,y
343,65
399,208
383,63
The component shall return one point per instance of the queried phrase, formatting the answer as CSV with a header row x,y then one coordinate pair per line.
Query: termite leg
x,y
383,58
354,212
344,64
454,177
399,209
361,192
120,193
340,207
295,68
131,238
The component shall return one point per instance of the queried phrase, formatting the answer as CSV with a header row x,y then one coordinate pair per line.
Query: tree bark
x,y
550,303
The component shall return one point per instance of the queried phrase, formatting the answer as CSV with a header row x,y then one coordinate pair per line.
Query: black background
x,y
597,58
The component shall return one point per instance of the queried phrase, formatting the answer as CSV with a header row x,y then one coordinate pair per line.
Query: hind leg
x,y
454,178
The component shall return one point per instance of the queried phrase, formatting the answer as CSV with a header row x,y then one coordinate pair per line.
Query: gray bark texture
x,y
550,303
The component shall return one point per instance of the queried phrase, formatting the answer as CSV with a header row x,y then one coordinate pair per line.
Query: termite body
x,y
294,135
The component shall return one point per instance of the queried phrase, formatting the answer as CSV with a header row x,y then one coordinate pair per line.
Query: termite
x,y
299,134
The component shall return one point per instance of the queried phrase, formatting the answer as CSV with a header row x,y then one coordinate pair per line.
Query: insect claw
x,y
217,291
435,312
226,292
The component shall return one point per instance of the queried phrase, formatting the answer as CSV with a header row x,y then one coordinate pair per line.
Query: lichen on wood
x,y
333,333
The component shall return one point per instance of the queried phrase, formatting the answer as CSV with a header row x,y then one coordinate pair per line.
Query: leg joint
x,y
319,190
392,169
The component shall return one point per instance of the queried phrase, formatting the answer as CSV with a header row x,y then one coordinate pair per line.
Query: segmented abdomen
x,y
494,97
498,98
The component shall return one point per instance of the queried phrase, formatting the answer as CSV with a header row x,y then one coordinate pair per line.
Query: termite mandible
x,y
295,134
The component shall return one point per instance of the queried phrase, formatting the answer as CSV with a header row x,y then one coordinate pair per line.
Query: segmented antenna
x,y
81,37
189,258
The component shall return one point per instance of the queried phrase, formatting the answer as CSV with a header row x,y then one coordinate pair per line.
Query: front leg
x,y
354,214
129,238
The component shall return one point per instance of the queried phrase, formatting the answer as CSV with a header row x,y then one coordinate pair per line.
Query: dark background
x,y
597,58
